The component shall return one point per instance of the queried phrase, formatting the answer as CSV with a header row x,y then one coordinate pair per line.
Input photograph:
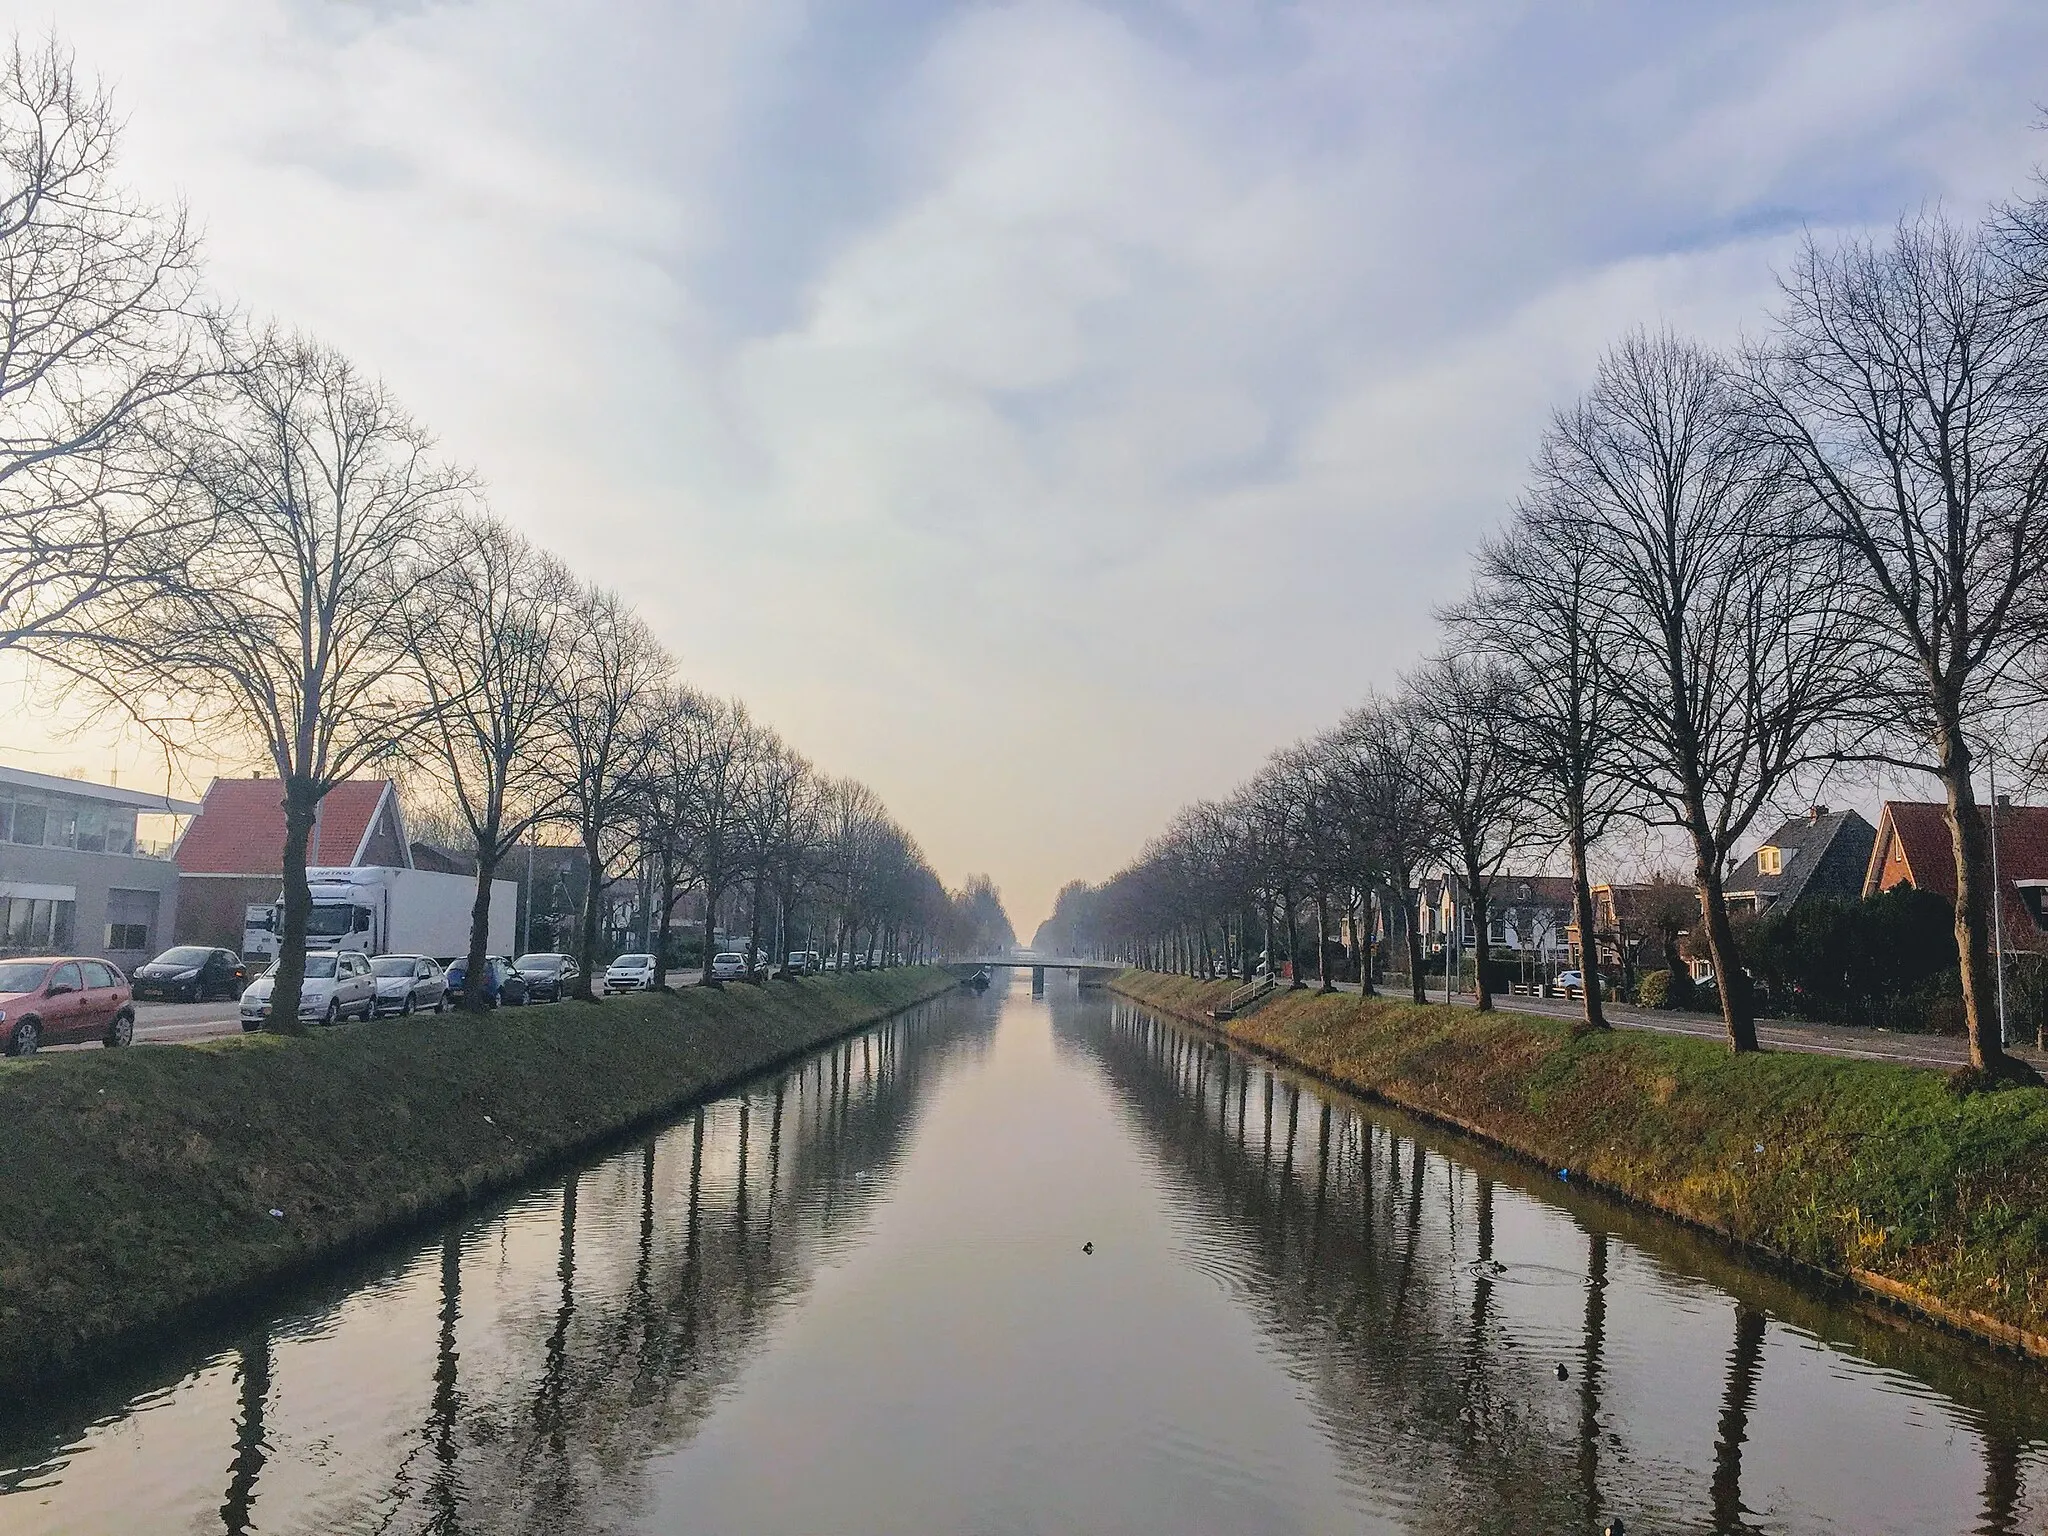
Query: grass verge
x,y
1876,1174
138,1185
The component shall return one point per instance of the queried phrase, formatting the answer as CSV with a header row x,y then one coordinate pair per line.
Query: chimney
x,y
1814,813
2004,802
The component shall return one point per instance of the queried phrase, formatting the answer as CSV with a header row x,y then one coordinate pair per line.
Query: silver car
x,y
338,986
408,984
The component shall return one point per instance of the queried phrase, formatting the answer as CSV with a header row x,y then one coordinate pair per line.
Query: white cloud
x,y
1039,409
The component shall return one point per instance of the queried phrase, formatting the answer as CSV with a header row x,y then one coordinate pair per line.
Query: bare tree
x,y
1480,781
1537,608
1390,817
96,349
669,803
613,677
1910,383
488,633
283,628
727,744
770,800
1726,638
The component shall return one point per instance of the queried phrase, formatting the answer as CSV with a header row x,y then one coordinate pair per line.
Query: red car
x,y
59,999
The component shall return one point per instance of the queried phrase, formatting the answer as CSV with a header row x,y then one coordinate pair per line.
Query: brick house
x,y
232,855
1913,847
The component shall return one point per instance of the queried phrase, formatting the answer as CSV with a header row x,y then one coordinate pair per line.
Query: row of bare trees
x,y
231,534
1727,576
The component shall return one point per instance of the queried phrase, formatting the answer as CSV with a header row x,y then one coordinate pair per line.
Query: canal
x,y
1017,1264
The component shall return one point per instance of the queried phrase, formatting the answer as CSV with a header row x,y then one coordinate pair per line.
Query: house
x,y
1819,855
1631,924
1526,914
75,876
232,854
1914,847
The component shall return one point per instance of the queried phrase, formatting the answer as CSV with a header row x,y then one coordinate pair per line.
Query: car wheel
x,y
28,1034
333,1014
405,1008
122,1031
191,993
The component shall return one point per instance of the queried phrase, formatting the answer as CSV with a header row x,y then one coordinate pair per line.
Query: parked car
x,y
408,984
191,973
728,965
548,977
1575,981
502,983
803,962
62,999
629,973
338,986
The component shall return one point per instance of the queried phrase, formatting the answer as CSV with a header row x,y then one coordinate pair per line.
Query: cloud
x,y
1038,409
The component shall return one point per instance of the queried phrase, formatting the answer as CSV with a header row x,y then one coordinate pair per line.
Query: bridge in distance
x,y
1092,973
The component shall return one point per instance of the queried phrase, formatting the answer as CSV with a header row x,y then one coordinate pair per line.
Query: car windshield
x,y
318,968
331,921
634,962
393,965
538,962
184,954
21,976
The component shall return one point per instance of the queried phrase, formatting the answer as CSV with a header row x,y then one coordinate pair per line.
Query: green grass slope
x,y
1875,1173
137,1184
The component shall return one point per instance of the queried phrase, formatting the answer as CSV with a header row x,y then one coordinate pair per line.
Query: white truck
x,y
381,910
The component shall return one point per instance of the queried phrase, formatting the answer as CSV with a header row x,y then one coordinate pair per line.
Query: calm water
x,y
854,1299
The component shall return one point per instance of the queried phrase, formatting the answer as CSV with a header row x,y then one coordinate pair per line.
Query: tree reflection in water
x,y
1381,1282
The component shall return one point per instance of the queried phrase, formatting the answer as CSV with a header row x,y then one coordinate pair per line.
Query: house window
x,y
28,822
130,937
1768,862
33,923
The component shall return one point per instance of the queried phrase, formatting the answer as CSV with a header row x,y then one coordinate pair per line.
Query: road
x,y
182,1023
1945,1052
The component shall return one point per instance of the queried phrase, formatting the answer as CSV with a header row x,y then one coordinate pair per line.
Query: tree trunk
x,y
1411,915
480,919
593,899
301,810
1974,898
1368,913
1323,942
1728,977
714,873
1294,981
754,929
1582,913
1480,900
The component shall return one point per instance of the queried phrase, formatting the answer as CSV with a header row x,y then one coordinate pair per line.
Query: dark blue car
x,y
502,983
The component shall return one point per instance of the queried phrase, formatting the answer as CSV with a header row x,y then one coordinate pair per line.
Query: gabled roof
x,y
1914,848
240,826
1822,853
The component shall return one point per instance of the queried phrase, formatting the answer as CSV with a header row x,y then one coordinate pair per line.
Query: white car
x,y
409,984
629,973
728,965
338,986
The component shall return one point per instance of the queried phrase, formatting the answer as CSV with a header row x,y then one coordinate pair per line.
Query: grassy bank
x,y
1874,1173
137,1185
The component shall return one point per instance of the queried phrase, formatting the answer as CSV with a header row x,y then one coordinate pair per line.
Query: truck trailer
x,y
381,910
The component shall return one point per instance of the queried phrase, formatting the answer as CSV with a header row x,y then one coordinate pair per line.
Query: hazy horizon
x,y
1039,411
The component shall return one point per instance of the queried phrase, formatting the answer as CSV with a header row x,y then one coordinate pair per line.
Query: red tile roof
x,y
240,826
1914,848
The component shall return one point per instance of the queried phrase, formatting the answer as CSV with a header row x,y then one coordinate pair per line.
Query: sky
x,y
1040,411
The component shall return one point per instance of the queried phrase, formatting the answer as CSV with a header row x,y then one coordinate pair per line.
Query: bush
x,y
1885,960
1654,990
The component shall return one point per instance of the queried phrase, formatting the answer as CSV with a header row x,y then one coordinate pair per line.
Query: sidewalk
x,y
1945,1052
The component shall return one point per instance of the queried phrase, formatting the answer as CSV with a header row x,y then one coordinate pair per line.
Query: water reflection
x,y
548,1347
1492,1351
854,1297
